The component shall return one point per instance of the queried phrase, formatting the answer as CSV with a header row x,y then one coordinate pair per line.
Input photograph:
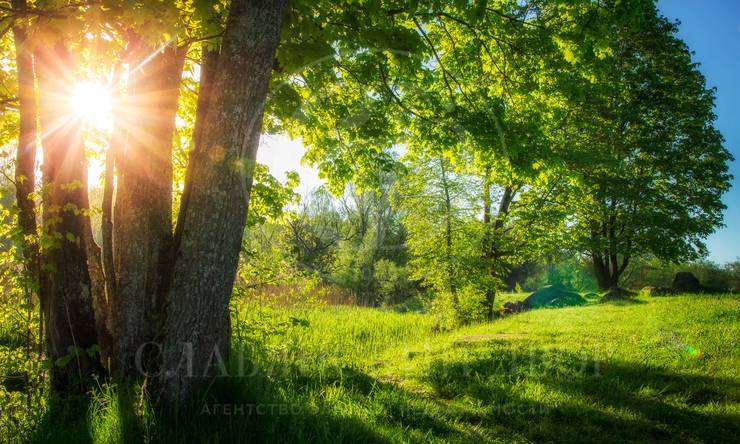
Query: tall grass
x,y
658,369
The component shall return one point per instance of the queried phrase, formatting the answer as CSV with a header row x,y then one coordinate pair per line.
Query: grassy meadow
x,y
652,369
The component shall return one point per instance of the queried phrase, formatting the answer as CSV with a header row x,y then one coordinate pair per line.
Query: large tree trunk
x,y
70,319
142,229
197,324
608,270
25,169
601,272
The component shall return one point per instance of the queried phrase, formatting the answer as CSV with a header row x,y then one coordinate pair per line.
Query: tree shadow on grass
x,y
621,302
250,409
107,413
590,402
505,393
399,409
231,409
65,421
363,410
560,397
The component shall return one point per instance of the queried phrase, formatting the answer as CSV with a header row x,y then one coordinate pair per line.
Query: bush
x,y
444,310
471,304
467,305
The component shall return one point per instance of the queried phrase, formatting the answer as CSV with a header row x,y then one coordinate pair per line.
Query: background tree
x,y
439,208
314,231
372,232
651,165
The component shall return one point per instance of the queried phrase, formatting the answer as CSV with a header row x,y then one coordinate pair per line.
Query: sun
x,y
92,102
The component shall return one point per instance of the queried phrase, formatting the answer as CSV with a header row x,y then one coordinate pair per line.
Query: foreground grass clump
x,y
660,369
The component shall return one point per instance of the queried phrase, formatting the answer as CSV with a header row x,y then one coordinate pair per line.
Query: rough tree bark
x,y
68,288
606,264
208,66
142,229
197,324
25,169
608,270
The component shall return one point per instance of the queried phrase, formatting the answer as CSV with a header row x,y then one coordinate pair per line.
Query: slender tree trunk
x,y
493,229
448,231
70,318
487,198
621,269
107,225
503,207
197,325
613,253
142,229
488,240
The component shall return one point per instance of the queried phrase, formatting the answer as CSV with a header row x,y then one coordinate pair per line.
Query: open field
x,y
660,369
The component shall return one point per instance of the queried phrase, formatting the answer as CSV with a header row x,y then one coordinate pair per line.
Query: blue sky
x,y
711,28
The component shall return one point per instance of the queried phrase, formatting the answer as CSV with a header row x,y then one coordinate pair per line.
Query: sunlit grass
x,y
596,373
616,372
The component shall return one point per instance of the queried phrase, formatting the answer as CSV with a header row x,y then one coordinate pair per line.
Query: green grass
x,y
658,369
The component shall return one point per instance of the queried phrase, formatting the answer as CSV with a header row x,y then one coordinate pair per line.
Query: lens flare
x,y
92,102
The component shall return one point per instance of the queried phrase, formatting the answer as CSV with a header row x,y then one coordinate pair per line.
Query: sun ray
x,y
92,102
151,56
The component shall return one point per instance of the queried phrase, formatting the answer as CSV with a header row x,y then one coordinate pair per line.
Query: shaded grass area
x,y
655,370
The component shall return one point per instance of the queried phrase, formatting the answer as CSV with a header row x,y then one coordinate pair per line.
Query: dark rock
x,y
686,282
553,296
